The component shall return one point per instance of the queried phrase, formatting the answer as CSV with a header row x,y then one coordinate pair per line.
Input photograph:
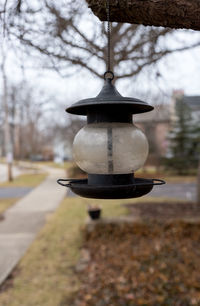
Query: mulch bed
x,y
154,263
165,211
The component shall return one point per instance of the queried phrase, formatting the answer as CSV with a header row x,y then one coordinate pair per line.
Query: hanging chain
x,y
108,33
109,41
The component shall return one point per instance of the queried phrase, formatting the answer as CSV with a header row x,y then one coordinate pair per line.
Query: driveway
x,y
183,191
14,192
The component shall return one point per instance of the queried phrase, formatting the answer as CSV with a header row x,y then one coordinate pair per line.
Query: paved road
x,y
183,191
14,192
24,219
180,191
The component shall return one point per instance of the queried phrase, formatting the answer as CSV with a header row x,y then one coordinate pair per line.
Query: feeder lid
x,y
107,98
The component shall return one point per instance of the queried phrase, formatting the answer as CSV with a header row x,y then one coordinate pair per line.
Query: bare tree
x,y
7,130
28,119
71,38
25,114
174,14
68,131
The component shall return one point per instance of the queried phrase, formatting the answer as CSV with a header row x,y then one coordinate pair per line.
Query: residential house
x,y
157,123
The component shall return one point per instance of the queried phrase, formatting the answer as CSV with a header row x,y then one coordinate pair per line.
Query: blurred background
x,y
53,53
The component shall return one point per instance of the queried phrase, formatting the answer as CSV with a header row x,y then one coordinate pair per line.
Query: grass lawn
x,y
64,165
45,276
180,179
25,180
150,172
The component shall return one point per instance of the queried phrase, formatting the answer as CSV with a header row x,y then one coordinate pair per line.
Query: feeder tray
x,y
137,189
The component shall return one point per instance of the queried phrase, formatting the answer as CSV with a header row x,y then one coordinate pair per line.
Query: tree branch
x,y
167,13
74,60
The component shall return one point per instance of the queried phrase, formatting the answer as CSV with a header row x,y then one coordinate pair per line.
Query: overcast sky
x,y
177,71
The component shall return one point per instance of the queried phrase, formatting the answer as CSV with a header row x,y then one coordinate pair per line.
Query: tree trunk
x,y
17,146
167,13
198,184
7,132
10,176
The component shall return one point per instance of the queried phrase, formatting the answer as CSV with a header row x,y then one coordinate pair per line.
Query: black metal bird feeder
x,y
110,148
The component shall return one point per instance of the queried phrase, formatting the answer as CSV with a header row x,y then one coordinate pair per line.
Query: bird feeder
x,y
110,148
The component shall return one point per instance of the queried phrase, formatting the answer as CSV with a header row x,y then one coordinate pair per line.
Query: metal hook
x,y
111,77
63,180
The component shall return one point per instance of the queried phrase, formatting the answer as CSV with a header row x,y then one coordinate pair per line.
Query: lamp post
x,y
110,148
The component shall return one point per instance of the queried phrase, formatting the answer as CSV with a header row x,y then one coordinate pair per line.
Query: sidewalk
x,y
24,220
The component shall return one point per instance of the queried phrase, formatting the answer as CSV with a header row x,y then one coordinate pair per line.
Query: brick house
x,y
157,123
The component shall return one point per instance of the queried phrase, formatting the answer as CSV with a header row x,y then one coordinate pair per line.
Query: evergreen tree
x,y
195,145
196,151
182,140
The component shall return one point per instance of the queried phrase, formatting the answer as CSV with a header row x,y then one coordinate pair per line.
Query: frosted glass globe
x,y
110,148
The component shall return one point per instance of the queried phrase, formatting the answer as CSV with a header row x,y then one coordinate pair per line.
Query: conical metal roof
x,y
108,97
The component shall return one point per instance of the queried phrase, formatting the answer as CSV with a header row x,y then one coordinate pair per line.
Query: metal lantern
x,y
110,148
